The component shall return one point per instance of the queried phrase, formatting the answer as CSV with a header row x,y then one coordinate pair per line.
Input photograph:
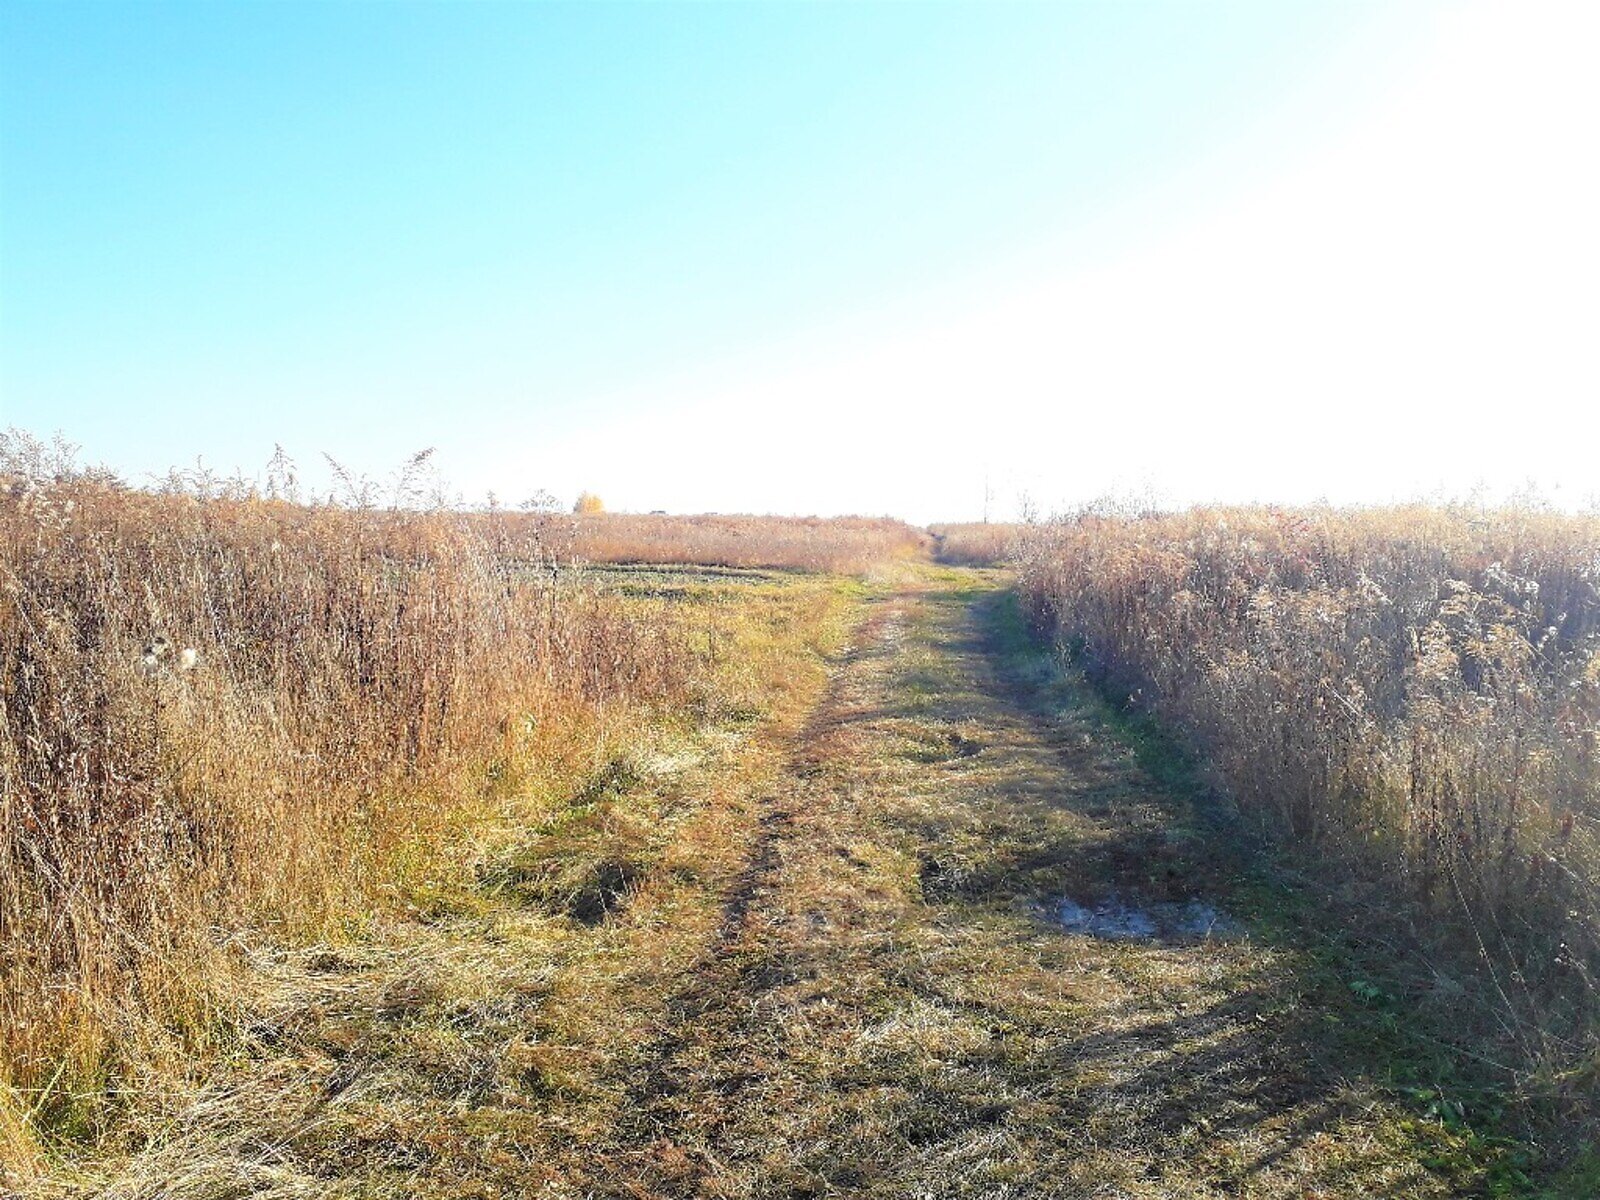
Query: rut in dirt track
x,y
889,1010
713,1014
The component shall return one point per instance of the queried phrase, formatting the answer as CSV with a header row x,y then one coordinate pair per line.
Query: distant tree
x,y
588,504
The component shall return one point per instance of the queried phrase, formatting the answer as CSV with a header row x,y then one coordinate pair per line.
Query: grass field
x,y
451,867
812,944
842,545
572,767
1409,696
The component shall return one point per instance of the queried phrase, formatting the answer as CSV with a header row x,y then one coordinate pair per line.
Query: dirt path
x,y
845,975
889,1008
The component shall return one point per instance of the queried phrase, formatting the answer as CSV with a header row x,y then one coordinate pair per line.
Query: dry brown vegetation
x,y
233,724
223,716
977,544
844,545
835,970
351,849
1409,695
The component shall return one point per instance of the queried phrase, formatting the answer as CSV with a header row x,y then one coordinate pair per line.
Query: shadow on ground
x,y
899,1012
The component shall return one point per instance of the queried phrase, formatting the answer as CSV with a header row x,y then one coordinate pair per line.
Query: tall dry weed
x,y
1412,693
978,544
845,545
225,711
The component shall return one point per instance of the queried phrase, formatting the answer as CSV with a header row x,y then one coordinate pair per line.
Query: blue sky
x,y
659,251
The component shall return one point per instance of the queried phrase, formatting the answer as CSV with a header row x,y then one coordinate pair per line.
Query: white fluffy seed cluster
x,y
158,655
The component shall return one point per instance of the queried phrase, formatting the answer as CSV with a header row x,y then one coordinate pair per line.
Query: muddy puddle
x,y
1122,919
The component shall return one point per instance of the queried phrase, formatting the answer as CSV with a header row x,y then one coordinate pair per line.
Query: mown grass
x,y
892,1014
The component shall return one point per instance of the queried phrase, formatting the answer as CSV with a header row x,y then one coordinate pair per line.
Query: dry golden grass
x,y
227,717
460,1038
232,725
833,972
1410,694
978,544
842,545
438,869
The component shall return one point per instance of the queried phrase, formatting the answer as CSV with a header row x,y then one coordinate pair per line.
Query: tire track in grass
x,y
694,1069
888,1011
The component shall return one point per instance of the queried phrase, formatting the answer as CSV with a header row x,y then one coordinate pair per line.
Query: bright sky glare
x,y
807,258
